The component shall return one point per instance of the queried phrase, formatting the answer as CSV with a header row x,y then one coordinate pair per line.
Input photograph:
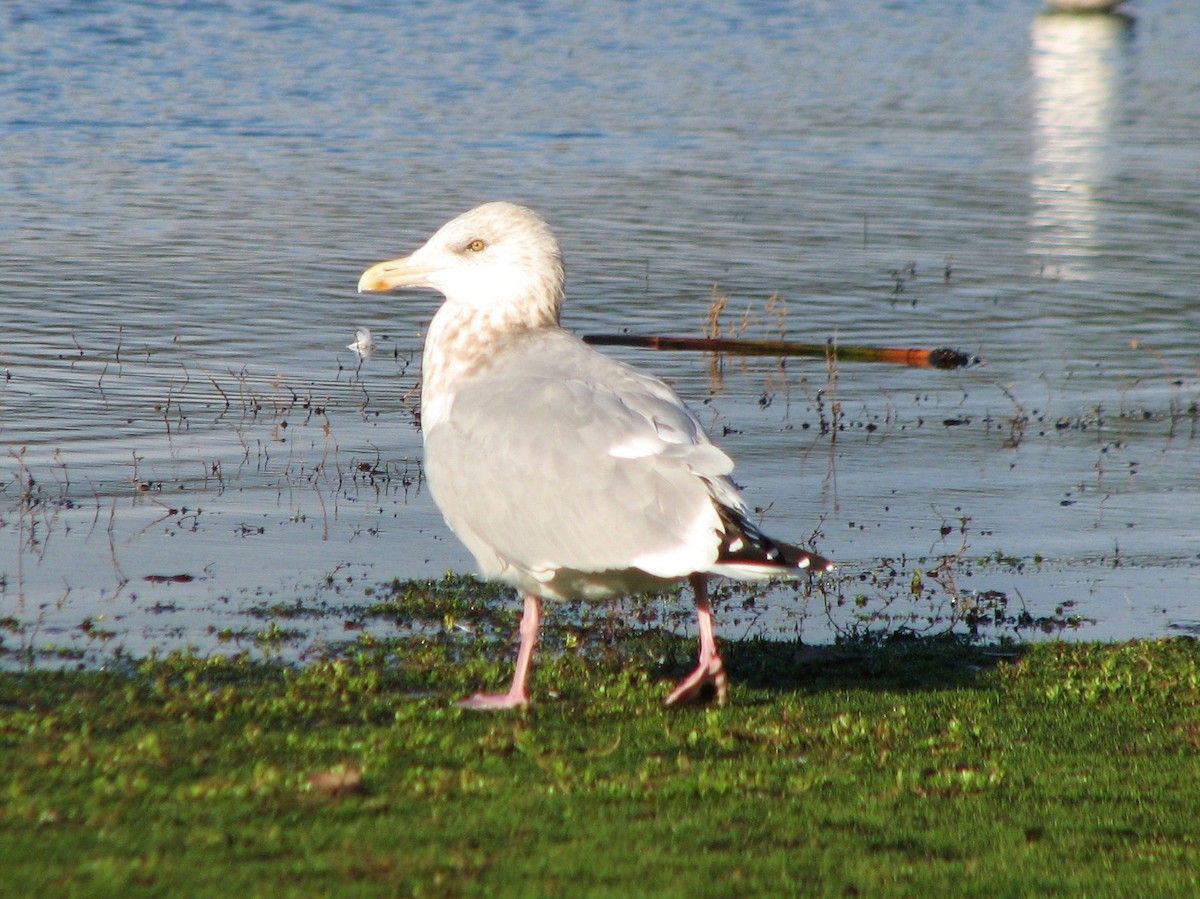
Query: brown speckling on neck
x,y
461,341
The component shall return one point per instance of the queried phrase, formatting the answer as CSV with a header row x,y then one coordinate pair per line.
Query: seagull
x,y
567,474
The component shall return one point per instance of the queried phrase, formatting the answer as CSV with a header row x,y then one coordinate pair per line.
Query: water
x,y
190,191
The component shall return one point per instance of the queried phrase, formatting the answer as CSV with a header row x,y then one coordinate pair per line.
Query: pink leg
x,y
518,694
710,671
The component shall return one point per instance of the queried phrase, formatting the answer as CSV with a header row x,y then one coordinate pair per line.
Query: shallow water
x,y
192,189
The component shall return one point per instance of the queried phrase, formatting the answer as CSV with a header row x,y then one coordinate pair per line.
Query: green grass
x,y
903,767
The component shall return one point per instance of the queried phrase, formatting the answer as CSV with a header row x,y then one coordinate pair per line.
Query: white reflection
x,y
1075,87
364,343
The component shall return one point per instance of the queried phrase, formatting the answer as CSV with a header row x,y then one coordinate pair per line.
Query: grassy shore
x,y
900,767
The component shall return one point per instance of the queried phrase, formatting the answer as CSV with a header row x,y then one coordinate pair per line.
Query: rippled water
x,y
190,191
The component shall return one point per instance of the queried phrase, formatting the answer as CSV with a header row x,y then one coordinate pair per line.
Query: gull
x,y
567,474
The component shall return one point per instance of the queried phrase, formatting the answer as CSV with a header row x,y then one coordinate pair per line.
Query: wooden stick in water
x,y
941,357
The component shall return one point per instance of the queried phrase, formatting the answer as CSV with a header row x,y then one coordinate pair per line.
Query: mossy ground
x,y
905,767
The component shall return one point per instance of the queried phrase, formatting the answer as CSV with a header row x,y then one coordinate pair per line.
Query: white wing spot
x,y
637,447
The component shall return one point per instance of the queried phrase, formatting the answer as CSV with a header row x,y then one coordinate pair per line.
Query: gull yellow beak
x,y
396,273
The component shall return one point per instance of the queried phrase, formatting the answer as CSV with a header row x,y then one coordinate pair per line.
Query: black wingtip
x,y
810,562
743,543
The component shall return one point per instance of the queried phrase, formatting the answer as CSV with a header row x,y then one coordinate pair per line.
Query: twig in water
x,y
941,357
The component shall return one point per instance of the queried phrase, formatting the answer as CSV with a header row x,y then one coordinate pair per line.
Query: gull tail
x,y
748,553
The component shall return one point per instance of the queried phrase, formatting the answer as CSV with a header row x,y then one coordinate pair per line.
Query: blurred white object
x,y
1085,5
363,344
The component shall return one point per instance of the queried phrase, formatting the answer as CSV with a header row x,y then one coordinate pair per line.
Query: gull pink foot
x,y
518,693
708,679
493,702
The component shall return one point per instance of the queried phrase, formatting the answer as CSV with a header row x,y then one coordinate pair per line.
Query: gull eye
x,y
476,246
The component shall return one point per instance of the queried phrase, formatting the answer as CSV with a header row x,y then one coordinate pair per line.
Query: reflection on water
x,y
1075,89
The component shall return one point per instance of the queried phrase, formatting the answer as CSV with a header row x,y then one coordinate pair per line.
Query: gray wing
x,y
555,457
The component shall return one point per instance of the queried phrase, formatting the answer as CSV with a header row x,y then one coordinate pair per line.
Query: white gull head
x,y
499,259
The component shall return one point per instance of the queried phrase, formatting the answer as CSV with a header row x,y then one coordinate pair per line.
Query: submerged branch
x,y
941,357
